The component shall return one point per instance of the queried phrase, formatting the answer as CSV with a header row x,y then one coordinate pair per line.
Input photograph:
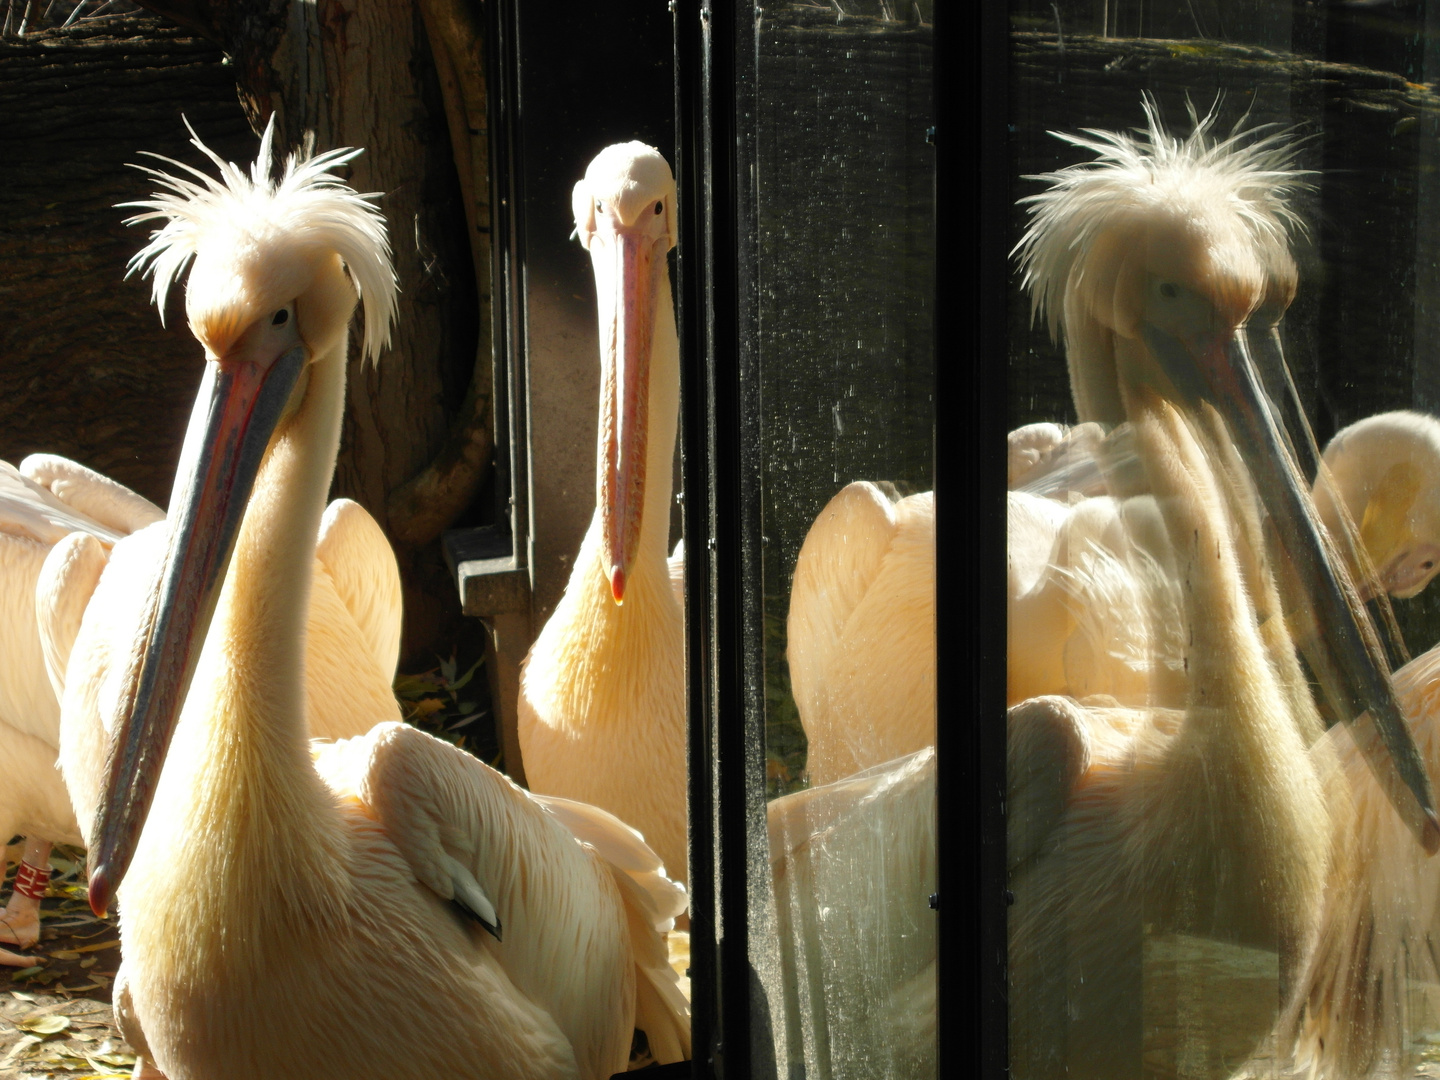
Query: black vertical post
x,y
507,257
709,319
972,211
696,469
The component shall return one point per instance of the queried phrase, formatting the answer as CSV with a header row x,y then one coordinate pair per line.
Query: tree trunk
x,y
416,441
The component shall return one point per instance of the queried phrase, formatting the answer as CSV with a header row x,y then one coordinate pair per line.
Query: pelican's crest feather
x,y
1250,172
308,201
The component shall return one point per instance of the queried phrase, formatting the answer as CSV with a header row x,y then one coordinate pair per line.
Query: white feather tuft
x,y
1249,171
308,200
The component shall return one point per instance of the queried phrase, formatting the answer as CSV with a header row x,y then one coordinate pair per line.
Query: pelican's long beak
x,y
1218,367
628,266
236,413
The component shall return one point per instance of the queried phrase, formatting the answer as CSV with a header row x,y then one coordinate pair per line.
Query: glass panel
x,y
843,283
1212,870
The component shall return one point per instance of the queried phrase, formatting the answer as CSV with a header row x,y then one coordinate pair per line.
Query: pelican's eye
x,y
281,317
599,207
1169,290
659,206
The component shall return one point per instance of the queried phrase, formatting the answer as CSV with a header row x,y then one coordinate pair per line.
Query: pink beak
x,y
628,265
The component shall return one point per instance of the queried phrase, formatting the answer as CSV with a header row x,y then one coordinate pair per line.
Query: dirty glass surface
x,y
842,272
1223,516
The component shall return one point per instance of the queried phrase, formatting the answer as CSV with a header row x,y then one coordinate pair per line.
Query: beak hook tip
x,y
617,590
99,888
1430,834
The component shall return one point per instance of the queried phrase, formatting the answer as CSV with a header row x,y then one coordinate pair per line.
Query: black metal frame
x,y
971,692
708,313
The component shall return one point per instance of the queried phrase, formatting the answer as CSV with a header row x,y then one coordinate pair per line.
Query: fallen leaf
x,y
22,996
114,1059
26,973
46,1025
89,961
21,1046
97,946
65,954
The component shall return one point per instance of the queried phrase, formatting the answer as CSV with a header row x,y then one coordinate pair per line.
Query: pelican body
x,y
343,907
861,631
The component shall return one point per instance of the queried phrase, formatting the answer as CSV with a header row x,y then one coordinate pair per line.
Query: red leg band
x,y
31,881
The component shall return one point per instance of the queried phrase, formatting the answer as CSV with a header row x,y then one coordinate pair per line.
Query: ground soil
x,y
55,1017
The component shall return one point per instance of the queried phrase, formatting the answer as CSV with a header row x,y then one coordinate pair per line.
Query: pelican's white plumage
x,y
318,934
44,504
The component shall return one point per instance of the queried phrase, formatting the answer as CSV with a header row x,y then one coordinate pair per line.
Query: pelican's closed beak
x,y
238,408
1218,368
629,261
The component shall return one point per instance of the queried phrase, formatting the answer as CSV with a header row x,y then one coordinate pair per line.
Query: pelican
x,y
1093,600
861,631
602,692
1165,262
1056,460
344,904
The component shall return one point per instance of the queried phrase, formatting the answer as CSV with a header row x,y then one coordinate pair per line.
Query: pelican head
x,y
1166,265
625,218
1187,238
276,269
1386,470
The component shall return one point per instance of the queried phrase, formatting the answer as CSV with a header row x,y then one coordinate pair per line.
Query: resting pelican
x,y
602,693
1056,460
1165,262
1093,601
861,631
42,502
341,907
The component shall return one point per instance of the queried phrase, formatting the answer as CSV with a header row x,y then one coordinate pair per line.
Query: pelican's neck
x,y
263,609
244,727
591,647
239,771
